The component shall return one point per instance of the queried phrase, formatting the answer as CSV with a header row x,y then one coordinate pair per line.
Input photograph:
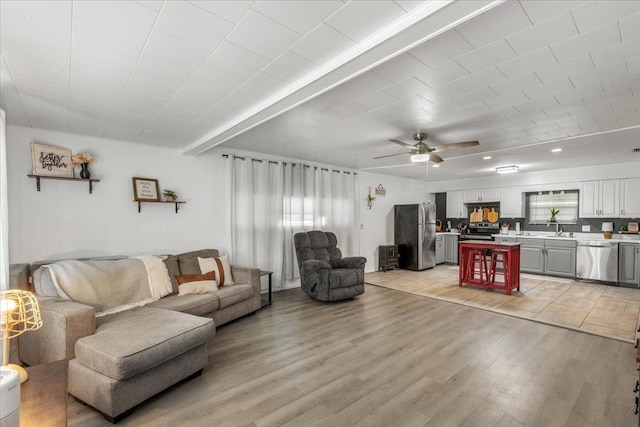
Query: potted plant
x,y
554,212
370,200
169,195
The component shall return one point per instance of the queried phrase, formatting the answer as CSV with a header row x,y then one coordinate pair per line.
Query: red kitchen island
x,y
472,253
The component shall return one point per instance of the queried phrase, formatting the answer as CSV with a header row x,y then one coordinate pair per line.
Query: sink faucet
x,y
559,229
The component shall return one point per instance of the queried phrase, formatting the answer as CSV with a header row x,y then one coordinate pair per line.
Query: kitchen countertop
x,y
627,238
455,233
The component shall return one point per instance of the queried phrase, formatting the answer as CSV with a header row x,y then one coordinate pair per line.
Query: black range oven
x,y
481,231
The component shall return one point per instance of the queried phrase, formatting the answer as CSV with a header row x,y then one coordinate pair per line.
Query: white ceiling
x,y
332,81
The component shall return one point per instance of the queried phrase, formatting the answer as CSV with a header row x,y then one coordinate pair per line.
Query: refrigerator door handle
x,y
423,220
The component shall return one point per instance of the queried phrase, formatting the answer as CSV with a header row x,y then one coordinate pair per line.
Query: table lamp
x,y
607,229
19,312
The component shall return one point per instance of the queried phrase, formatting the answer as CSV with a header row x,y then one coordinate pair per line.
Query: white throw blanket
x,y
111,286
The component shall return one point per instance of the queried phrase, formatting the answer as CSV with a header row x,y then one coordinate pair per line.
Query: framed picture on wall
x,y
145,190
49,160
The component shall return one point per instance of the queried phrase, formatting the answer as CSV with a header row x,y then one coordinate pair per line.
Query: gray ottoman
x,y
136,354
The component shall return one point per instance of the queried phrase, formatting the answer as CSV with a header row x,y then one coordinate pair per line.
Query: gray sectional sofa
x,y
119,360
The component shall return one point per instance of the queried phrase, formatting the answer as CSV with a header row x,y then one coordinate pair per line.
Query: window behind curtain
x,y
539,206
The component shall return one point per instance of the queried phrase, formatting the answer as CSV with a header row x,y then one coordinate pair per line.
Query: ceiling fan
x,y
421,152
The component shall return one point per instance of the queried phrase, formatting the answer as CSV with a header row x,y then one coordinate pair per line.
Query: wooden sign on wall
x,y
49,160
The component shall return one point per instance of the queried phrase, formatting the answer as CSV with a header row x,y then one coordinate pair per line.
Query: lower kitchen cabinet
x,y
531,255
547,256
629,264
440,249
451,248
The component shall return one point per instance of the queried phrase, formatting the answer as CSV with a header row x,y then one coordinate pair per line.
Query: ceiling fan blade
x,y
435,158
390,155
454,145
404,144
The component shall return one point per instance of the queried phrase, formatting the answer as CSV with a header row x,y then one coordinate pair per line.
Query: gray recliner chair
x,y
324,274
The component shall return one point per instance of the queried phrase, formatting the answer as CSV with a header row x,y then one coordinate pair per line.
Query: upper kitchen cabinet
x,y
511,203
455,206
630,198
600,199
482,195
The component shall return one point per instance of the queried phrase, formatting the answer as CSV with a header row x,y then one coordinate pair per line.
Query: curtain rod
x,y
287,163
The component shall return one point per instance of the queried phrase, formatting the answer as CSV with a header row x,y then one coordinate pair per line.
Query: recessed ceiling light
x,y
436,165
486,157
507,169
556,150
418,158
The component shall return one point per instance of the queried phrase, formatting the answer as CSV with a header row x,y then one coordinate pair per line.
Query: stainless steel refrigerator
x,y
415,235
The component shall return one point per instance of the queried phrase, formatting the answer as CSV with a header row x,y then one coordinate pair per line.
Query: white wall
x,y
376,225
561,179
64,220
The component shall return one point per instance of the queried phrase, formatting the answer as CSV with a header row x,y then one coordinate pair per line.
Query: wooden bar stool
x,y
477,262
499,256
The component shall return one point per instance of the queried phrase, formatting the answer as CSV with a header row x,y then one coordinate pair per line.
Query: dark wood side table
x,y
270,274
43,397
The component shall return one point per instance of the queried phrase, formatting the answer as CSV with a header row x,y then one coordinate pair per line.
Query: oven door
x,y
476,237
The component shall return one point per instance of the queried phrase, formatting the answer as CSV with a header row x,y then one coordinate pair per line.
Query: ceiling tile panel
x,y
151,4
235,59
482,30
211,83
96,49
442,93
476,96
360,19
290,67
399,67
261,35
45,24
480,79
486,56
592,14
505,101
442,74
35,56
126,17
616,53
169,59
322,44
586,43
543,34
300,16
368,82
542,10
630,27
526,63
557,87
153,86
516,84
186,21
565,69
231,10
441,49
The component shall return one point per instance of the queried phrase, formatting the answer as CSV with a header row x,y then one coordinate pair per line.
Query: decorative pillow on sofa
x,y
221,267
197,283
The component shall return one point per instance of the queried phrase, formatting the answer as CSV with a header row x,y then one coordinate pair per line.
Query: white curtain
x,y
271,201
4,208
255,213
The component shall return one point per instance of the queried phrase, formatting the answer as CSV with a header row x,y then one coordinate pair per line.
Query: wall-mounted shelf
x,y
140,202
62,178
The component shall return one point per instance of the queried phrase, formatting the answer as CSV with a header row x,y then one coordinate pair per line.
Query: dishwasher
x,y
597,260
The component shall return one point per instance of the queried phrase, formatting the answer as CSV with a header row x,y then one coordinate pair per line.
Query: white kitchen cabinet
x,y
600,199
511,203
440,249
482,195
455,205
630,198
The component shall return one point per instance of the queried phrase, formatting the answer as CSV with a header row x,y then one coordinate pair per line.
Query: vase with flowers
x,y
82,160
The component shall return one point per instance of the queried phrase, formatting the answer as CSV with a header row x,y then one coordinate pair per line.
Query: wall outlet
x,y
361,226
586,228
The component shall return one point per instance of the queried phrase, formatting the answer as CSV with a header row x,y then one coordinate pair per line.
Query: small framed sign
x,y
49,160
381,191
146,190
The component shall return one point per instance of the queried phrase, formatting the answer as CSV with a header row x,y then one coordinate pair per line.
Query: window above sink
x,y
540,204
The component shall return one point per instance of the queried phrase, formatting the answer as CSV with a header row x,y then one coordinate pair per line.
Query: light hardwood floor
x,y
389,358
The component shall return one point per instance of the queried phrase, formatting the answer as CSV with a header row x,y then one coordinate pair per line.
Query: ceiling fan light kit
x,y
421,152
417,158
507,169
